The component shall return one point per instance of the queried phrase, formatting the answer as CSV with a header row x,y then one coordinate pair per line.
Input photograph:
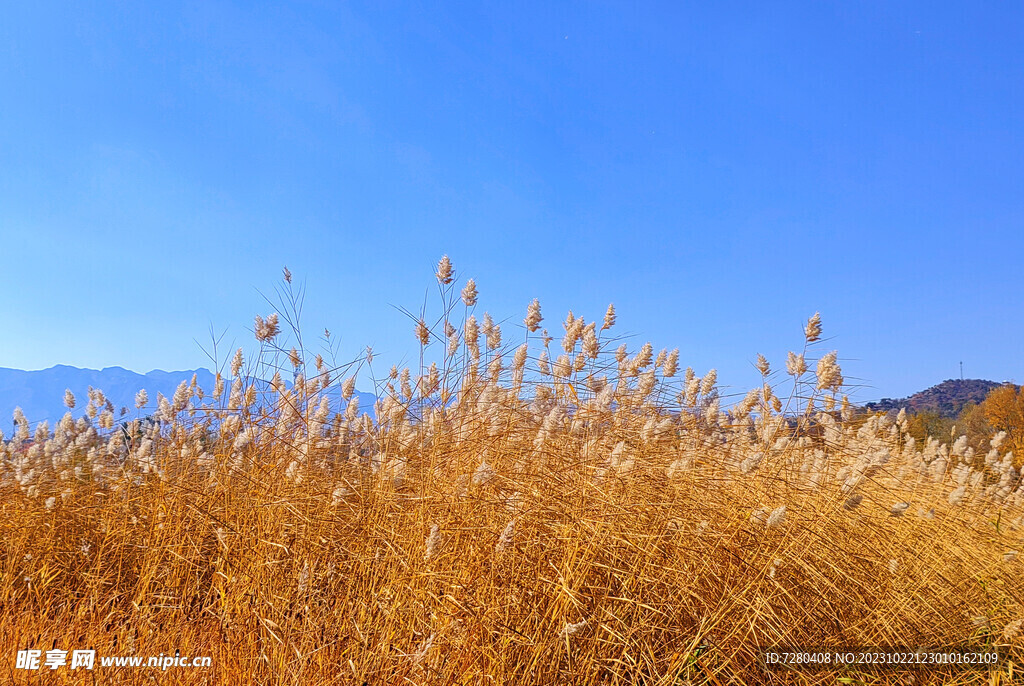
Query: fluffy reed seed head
x,y
645,356
492,332
671,364
562,367
352,409
236,363
470,293
543,365
472,332
829,374
609,317
507,537
422,332
997,441
533,316
707,384
777,518
795,364
406,381
433,542
572,629
266,329
218,386
1012,630
591,346
348,387
812,332
762,365
519,359
445,273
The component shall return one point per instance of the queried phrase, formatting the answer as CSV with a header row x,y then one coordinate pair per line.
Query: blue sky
x,y
720,171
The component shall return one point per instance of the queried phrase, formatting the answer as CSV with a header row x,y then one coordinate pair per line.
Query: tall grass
x,y
518,509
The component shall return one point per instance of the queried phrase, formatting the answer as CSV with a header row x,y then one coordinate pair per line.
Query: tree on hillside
x,y
1004,410
971,422
974,424
921,425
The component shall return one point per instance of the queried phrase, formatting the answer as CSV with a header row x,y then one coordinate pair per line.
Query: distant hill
x,y
945,399
40,393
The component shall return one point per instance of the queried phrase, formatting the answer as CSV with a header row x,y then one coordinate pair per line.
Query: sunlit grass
x,y
562,512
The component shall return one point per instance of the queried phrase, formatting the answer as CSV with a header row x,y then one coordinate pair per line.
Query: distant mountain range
x,y
946,399
40,394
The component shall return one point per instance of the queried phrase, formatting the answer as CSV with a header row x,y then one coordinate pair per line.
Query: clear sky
x,y
718,170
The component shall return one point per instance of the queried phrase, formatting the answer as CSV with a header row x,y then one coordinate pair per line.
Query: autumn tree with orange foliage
x,y
1004,409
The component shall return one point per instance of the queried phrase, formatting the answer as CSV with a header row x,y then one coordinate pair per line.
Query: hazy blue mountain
x,y
40,393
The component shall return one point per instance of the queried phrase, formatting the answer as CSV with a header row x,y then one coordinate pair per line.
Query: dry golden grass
x,y
505,526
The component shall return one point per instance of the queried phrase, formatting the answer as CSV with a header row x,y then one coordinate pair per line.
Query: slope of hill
x,y
945,399
40,393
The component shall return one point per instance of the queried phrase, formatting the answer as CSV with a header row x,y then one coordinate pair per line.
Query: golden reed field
x,y
520,507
